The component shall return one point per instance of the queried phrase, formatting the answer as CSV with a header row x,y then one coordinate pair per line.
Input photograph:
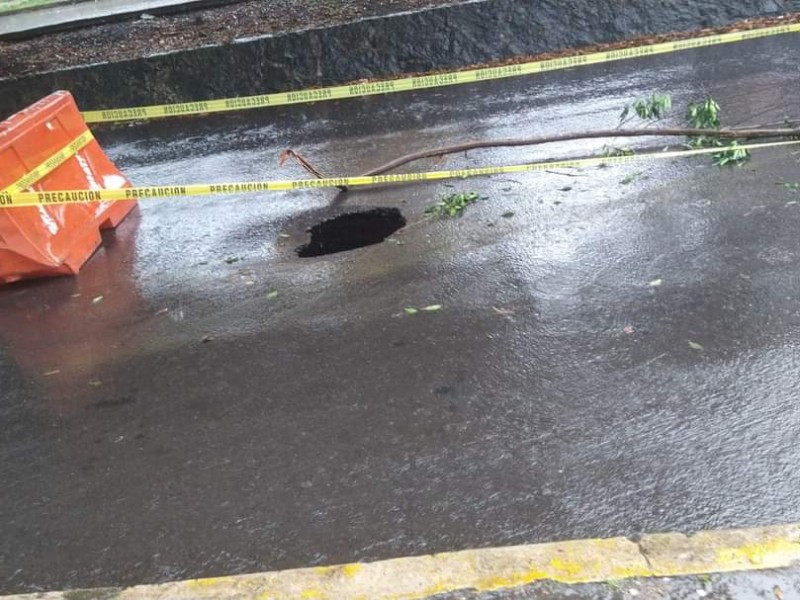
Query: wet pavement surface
x,y
201,401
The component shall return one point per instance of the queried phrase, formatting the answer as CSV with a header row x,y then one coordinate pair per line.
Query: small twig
x,y
564,174
654,359
787,122
289,153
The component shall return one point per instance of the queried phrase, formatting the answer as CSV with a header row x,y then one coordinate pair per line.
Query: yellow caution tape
x,y
357,90
22,199
49,165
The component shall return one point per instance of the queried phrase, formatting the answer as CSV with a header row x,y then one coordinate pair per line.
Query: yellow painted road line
x,y
487,569
22,199
406,84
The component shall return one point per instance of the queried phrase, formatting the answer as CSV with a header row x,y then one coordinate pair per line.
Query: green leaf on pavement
x,y
433,308
452,205
631,178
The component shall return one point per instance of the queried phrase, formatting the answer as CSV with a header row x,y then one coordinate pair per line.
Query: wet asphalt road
x,y
200,425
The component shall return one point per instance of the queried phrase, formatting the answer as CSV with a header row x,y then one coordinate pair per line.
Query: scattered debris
x,y
97,299
232,259
566,188
648,109
207,338
695,346
656,282
631,178
51,373
307,166
704,131
628,329
503,311
654,359
564,174
163,311
733,155
272,294
778,592
453,205
755,209
508,214
612,151
412,310
706,115
95,382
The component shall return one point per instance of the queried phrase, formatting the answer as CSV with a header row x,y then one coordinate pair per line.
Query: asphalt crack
x,y
643,552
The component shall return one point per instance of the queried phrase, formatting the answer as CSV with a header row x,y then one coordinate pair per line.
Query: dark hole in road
x,y
351,231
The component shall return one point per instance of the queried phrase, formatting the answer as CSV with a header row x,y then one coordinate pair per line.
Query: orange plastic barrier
x,y
54,240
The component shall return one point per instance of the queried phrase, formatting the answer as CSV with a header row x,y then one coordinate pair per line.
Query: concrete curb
x,y
447,37
30,9
63,16
487,569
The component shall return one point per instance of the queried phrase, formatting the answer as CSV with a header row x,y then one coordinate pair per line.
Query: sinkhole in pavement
x,y
352,230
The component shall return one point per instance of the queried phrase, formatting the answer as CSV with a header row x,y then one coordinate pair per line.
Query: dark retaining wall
x,y
445,37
